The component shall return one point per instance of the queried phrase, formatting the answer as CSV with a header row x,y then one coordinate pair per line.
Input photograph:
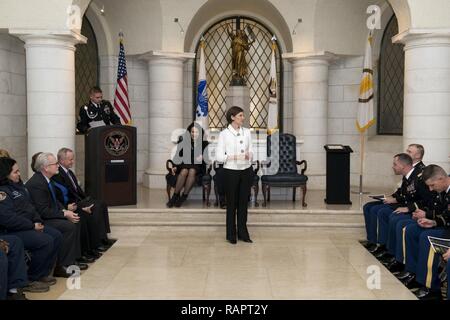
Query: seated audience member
x,y
43,194
13,269
189,162
422,263
62,196
97,209
416,152
19,217
382,216
415,195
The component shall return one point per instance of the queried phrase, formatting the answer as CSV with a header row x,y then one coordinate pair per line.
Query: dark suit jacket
x,y
42,198
75,194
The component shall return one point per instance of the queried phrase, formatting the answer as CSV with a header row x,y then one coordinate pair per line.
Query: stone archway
x,y
216,10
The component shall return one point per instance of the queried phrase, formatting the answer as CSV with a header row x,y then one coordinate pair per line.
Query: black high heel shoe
x,y
175,198
246,240
182,198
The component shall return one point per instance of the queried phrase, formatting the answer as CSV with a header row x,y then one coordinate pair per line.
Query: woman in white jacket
x,y
234,150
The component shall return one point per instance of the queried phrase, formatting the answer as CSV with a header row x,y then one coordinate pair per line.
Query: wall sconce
x,y
295,27
102,10
177,22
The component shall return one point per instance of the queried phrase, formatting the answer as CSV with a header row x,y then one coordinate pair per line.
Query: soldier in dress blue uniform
x,y
415,195
370,209
97,112
435,224
401,203
19,217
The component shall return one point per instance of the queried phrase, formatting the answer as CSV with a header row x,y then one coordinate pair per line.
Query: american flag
x,y
121,101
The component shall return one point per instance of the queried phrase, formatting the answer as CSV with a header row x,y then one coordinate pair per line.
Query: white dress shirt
x,y
234,143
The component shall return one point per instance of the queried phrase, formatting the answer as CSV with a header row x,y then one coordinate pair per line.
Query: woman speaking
x,y
234,150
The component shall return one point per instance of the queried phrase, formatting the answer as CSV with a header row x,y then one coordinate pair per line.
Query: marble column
x,y
310,110
50,67
165,111
426,113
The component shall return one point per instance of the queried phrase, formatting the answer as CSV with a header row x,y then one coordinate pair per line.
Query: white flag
x,y
272,119
202,94
365,116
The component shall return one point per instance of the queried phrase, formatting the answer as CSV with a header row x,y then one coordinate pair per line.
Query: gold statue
x,y
240,44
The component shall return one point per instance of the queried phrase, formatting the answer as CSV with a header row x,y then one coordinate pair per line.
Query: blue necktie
x,y
52,191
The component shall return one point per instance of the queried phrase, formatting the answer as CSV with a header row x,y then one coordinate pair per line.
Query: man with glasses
x,y
43,194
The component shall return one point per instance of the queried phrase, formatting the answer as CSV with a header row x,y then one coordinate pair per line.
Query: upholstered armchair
x,y
281,168
202,180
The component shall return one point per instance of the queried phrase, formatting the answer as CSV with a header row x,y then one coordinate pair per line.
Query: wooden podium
x,y
110,164
338,174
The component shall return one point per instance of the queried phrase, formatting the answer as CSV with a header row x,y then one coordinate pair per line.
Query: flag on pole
x,y
202,94
121,101
272,119
365,107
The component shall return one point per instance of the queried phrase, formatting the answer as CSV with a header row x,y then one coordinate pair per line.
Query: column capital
x,y
417,38
311,58
48,38
157,55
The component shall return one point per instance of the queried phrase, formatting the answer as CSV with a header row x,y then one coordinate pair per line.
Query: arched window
x,y
86,65
391,83
219,71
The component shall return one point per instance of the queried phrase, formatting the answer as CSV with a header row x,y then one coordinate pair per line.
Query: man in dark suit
x,y
97,112
98,223
43,195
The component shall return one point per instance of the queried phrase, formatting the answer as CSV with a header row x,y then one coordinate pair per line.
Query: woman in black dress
x,y
189,162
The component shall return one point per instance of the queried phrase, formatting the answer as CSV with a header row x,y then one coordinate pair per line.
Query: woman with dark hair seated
x,y
19,217
189,162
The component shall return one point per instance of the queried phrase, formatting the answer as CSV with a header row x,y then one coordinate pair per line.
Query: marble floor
x,y
197,263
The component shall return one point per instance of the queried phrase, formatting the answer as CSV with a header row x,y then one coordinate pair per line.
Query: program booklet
x,y
380,197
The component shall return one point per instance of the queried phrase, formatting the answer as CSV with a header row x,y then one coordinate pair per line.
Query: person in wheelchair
x,y
189,163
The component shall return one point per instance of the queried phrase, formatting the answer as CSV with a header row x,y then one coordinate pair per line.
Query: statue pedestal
x,y
239,96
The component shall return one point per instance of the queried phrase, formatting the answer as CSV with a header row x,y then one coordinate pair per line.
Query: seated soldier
x,y
416,196
189,162
19,217
403,202
371,209
97,209
13,269
52,212
423,265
